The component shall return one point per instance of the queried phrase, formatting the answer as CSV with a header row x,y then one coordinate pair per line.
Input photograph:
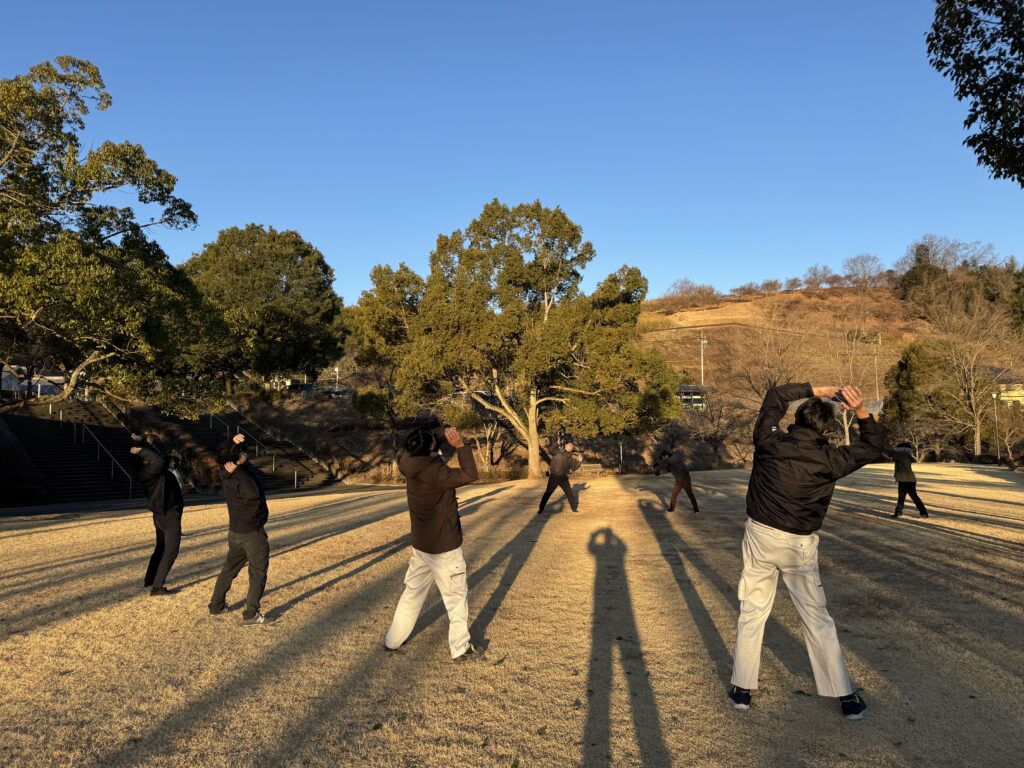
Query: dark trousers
x,y
559,481
168,542
682,484
252,548
909,489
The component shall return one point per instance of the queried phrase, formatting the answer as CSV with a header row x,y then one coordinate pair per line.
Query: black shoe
x,y
470,654
255,620
739,698
147,585
924,514
219,611
853,706
540,511
161,592
670,509
896,514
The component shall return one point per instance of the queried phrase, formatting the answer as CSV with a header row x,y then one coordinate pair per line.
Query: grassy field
x,y
608,636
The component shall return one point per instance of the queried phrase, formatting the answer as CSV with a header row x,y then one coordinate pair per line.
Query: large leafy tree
x,y
275,293
979,45
502,319
82,286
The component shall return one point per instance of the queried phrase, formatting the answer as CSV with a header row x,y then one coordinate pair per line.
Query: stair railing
x,y
113,462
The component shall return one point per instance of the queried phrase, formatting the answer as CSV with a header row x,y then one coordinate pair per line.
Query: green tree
x,y
82,287
275,293
503,320
979,45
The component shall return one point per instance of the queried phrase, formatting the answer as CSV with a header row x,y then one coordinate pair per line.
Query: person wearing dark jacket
x,y
436,539
563,463
247,539
906,480
163,495
790,488
673,463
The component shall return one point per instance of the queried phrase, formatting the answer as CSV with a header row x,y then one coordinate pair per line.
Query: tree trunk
x,y
977,438
533,437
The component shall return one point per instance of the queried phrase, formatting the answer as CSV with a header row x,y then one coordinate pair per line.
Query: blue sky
x,y
720,141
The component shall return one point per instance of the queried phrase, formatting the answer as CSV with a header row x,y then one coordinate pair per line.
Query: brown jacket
x,y
433,508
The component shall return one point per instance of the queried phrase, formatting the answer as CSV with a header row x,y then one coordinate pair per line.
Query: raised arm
x,y
870,447
447,477
152,462
774,406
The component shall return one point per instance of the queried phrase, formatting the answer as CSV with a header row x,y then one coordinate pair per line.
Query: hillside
x,y
829,335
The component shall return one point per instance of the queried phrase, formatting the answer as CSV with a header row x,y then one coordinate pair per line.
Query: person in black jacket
x,y
563,463
436,539
163,494
673,462
247,539
790,488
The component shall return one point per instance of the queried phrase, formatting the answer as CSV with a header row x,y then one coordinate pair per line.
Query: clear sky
x,y
720,141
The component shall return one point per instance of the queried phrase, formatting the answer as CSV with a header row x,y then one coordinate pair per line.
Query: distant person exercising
x,y
906,480
436,539
163,494
790,488
673,462
563,463
247,538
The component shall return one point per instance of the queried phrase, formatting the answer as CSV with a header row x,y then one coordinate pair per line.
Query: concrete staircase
x,y
281,465
69,444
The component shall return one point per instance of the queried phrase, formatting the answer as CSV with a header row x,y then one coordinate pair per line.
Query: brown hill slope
x,y
835,335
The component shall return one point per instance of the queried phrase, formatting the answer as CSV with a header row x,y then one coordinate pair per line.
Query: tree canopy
x,y
83,288
979,45
275,294
501,320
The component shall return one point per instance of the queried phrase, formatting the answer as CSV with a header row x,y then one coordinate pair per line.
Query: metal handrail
x,y
240,429
113,462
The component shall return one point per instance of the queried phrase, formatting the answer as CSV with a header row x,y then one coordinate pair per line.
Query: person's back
x,y
245,499
433,506
795,472
791,485
903,471
436,539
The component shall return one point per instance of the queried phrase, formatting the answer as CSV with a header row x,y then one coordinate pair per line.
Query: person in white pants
x,y
436,539
790,489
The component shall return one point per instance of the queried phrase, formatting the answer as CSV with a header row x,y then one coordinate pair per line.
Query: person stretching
x,y
790,488
436,539
906,480
673,462
563,463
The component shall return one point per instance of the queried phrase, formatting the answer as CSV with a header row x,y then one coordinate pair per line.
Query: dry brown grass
x,y
608,633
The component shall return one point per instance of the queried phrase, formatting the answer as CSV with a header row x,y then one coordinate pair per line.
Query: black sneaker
x,y
853,706
219,611
739,698
257,618
161,592
924,514
470,654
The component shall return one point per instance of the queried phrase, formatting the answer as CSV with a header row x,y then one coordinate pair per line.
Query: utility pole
x,y
995,408
703,342
879,347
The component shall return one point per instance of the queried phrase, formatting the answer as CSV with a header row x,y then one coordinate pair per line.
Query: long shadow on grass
x,y
676,551
249,680
382,552
68,605
614,626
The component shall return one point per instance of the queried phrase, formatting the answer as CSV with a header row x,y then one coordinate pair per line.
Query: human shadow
x,y
676,552
614,626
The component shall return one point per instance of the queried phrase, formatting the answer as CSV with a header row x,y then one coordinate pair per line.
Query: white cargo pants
x,y
767,552
448,571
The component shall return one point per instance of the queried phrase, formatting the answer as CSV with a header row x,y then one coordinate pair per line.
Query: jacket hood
x,y
412,466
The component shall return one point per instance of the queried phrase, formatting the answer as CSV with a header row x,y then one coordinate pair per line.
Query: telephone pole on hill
x,y
703,342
